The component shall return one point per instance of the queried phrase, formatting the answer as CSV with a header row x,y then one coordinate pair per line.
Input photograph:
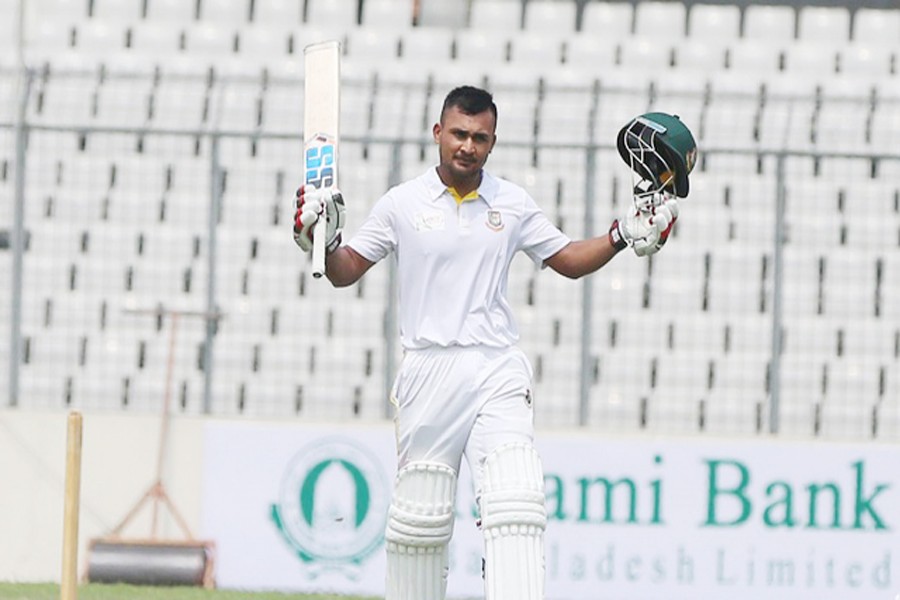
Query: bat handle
x,y
318,251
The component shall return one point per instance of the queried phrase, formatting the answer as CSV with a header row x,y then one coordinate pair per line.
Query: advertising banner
x,y
303,508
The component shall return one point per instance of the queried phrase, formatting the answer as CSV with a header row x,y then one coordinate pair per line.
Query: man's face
x,y
465,141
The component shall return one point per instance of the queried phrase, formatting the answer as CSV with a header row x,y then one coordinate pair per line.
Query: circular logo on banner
x,y
332,506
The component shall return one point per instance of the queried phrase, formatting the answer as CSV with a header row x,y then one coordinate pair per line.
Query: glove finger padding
x,y
311,205
646,230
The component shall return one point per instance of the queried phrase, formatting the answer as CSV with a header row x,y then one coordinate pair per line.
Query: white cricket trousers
x,y
462,401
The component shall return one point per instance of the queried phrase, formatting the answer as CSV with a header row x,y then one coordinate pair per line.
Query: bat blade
x,y
321,129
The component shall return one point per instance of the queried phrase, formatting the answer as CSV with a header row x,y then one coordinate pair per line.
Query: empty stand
x,y
609,20
661,20
550,17
773,23
826,24
714,22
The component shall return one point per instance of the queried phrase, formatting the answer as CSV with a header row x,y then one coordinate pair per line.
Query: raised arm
x,y
345,266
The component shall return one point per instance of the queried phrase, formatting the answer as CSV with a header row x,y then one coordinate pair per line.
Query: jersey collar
x,y
436,188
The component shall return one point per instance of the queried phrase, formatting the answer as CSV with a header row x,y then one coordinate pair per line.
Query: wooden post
x,y
69,581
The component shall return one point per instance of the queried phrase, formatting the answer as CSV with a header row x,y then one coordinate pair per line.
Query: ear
x,y
436,132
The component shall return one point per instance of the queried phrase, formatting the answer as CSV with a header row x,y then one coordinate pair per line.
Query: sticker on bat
x,y
320,161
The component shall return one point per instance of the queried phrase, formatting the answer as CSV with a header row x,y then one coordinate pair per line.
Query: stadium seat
x,y
441,14
387,15
332,14
876,26
666,21
700,57
485,47
731,117
496,15
550,17
608,20
118,11
566,107
752,56
227,13
284,13
844,112
714,22
372,46
156,39
811,59
210,39
826,24
772,23
646,54
171,11
786,117
264,42
588,52
542,52
426,45
865,59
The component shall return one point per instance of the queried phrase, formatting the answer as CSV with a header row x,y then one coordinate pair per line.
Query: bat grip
x,y
318,251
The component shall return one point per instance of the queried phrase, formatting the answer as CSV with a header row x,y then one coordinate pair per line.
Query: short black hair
x,y
470,100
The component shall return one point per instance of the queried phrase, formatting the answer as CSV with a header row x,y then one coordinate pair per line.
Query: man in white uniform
x,y
464,388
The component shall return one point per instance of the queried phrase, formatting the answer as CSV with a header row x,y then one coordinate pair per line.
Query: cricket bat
x,y
321,119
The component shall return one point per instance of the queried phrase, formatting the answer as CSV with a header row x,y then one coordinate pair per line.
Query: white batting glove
x,y
311,205
646,231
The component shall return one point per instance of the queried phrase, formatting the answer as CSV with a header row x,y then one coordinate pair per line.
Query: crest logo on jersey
x,y
494,220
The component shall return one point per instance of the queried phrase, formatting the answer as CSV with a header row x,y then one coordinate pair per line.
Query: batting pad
x,y
420,524
513,519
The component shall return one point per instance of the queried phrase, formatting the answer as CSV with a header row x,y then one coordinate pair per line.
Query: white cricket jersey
x,y
453,259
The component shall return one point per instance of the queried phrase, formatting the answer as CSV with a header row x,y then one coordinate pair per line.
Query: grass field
x,y
95,591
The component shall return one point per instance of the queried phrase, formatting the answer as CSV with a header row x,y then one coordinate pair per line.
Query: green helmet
x,y
661,150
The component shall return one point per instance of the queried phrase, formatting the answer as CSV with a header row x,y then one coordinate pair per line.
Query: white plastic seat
x,y
495,15
660,20
714,22
700,56
283,13
99,37
386,15
426,44
623,384
827,24
877,26
865,59
737,400
436,14
790,102
851,396
118,11
264,42
371,46
545,16
811,58
566,107
645,53
210,39
730,118
171,11
230,13
331,13
540,51
156,38
608,20
755,56
842,119
774,23
589,52
482,46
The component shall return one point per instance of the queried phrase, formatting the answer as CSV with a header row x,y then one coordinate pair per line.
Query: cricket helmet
x,y
660,150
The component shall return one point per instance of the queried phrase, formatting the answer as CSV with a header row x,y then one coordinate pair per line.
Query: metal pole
x,y
17,236
587,283
587,294
777,294
390,305
212,319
